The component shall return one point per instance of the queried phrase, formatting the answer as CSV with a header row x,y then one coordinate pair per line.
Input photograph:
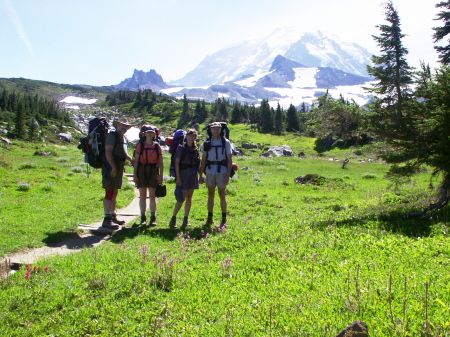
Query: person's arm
x,y
230,164
161,169
110,159
202,168
177,171
135,165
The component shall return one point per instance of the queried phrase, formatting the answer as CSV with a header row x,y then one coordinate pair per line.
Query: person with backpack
x,y
116,153
187,162
217,164
148,171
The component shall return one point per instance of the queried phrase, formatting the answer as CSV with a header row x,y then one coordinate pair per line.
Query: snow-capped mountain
x,y
253,56
143,80
286,82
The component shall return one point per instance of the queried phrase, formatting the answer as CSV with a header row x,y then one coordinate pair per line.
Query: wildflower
x,y
46,269
27,275
28,267
35,269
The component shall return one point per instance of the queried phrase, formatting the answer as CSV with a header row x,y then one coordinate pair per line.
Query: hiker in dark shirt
x,y
187,161
116,152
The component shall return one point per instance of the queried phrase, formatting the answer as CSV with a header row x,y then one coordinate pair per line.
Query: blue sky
x,y
101,42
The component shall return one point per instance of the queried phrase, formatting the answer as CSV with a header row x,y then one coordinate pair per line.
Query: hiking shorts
x,y
189,179
112,183
147,176
215,180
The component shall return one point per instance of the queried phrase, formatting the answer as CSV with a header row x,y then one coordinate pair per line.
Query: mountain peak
x,y
143,80
311,49
282,63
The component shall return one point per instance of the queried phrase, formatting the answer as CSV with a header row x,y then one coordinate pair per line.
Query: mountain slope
x,y
286,82
248,57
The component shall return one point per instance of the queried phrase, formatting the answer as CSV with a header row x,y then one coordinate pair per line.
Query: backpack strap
x,y
219,163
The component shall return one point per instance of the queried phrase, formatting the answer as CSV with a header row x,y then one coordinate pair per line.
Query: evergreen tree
x,y
292,120
266,116
392,90
441,32
279,120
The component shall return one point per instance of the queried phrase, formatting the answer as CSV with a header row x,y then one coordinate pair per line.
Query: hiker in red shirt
x,y
148,171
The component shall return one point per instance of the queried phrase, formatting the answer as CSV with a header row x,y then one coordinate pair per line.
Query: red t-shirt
x,y
149,155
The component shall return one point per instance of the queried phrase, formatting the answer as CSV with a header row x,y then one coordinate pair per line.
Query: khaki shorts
x,y
215,180
112,183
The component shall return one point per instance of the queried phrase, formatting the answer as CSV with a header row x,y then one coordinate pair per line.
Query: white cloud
x,y
18,25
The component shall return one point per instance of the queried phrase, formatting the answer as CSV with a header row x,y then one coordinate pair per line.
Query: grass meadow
x,y
294,260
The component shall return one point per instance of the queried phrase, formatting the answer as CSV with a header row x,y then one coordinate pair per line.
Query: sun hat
x,y
179,194
123,121
215,125
146,128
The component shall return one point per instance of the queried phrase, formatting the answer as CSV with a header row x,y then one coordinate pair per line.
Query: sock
x,y
210,215
153,214
224,215
142,213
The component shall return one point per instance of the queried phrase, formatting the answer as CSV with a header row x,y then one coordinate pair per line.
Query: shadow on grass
x,y
55,239
391,218
71,240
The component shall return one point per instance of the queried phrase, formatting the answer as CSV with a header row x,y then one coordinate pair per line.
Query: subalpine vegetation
x,y
295,260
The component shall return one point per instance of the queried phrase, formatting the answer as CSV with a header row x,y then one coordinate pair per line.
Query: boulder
x,y
6,141
248,146
281,150
356,329
302,155
67,137
306,179
267,155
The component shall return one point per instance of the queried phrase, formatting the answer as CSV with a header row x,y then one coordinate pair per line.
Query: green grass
x,y
44,198
295,260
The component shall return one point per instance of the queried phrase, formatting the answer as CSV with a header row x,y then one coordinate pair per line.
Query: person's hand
x,y
178,182
113,172
226,179
160,179
201,180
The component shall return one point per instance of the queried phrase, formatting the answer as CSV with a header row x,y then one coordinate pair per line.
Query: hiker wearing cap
x,y
216,163
187,162
116,153
148,171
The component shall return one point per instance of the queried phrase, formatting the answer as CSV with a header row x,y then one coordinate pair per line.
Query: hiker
x,y
116,153
187,162
216,163
148,171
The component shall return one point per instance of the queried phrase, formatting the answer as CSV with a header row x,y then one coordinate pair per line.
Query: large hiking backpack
x,y
178,138
93,145
224,133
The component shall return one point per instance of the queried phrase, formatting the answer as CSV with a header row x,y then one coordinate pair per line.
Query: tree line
x,y
24,113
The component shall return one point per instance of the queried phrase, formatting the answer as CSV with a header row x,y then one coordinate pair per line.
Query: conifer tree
x,y
441,32
292,120
266,116
392,91
279,120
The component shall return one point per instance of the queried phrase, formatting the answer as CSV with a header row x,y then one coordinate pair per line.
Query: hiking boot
x,y
209,222
143,220
116,221
107,223
152,222
185,222
173,222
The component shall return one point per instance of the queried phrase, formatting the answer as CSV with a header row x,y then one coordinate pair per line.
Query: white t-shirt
x,y
217,153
